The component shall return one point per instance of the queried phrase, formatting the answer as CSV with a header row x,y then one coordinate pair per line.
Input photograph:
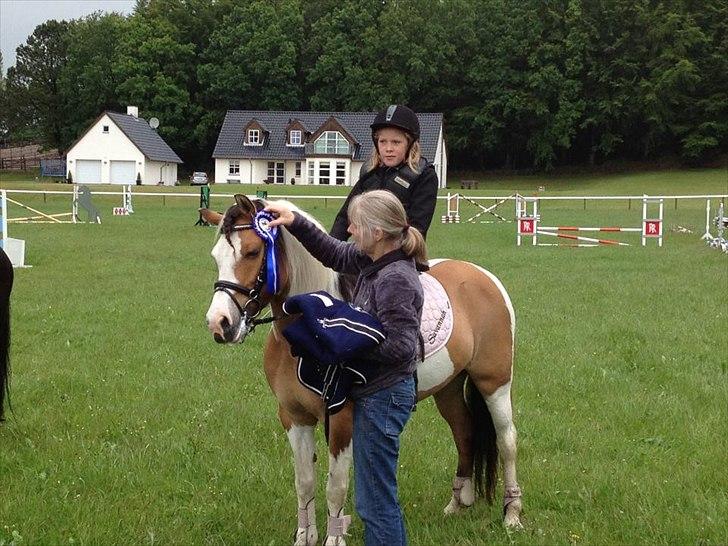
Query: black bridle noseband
x,y
253,306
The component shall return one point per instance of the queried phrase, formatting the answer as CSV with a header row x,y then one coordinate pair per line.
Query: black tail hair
x,y
485,448
6,285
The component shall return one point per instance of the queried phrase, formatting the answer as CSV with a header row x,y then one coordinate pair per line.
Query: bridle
x,y
254,305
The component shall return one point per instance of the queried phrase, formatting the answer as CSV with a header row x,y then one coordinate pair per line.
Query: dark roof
x,y
144,137
230,141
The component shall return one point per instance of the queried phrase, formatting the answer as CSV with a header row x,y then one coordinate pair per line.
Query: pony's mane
x,y
306,273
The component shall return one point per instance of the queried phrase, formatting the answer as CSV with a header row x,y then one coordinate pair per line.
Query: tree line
x,y
527,84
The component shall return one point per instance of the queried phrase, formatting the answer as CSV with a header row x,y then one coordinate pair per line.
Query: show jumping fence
x,y
529,226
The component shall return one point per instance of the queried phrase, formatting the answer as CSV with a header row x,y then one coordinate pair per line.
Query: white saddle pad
x,y
436,325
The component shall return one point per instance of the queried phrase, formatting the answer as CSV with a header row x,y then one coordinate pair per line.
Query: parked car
x,y
198,179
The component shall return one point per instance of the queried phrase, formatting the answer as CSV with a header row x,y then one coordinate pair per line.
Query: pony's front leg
x,y
304,456
340,455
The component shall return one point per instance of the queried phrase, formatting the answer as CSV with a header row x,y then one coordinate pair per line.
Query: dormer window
x,y
105,129
295,138
331,142
254,136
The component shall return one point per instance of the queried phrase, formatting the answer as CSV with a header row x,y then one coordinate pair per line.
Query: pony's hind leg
x,y
499,405
304,456
451,405
340,456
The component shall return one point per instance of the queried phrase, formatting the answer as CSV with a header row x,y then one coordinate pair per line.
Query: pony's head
x,y
246,259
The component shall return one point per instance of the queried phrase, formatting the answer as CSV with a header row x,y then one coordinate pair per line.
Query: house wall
x,y
157,171
107,147
260,171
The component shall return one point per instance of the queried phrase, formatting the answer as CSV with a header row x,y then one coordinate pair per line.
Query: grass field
x,y
131,426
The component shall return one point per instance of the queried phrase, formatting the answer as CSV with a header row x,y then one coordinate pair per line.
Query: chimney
x,y
132,111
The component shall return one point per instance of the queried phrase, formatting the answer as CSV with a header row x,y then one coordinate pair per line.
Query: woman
x,y
383,255
396,166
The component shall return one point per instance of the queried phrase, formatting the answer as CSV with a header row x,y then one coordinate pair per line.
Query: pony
x,y
6,285
470,378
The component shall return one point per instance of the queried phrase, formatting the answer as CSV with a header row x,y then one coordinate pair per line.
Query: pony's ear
x,y
244,203
211,217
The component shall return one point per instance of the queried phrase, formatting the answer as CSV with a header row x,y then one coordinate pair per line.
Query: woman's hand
x,y
284,214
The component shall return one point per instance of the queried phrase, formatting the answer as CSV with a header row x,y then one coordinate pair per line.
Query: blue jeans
x,y
379,419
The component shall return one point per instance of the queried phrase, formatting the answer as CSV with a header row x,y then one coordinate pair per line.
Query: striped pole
x,y
578,228
581,238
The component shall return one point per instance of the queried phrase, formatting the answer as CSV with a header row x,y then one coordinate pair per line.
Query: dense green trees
x,y
522,83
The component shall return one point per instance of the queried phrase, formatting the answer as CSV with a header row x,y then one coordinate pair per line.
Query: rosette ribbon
x,y
262,227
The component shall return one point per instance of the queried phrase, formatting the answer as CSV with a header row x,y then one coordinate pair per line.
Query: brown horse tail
x,y
485,448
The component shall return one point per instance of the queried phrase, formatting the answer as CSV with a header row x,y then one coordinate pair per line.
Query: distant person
x,y
397,166
6,286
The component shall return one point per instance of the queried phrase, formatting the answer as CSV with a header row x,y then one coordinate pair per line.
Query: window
x,y
295,138
275,172
331,142
298,169
253,136
105,129
310,172
340,173
325,172
234,167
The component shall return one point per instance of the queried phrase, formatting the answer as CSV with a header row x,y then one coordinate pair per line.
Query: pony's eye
x,y
252,253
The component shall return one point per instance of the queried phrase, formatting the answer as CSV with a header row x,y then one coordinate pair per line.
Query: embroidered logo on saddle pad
x,y
436,325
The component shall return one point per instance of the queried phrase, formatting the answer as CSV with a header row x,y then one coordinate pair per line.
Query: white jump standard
x,y
14,248
721,223
528,225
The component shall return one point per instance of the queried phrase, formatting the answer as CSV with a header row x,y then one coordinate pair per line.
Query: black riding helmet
x,y
397,116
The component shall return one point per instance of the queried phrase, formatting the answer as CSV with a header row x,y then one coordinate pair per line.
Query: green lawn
x,y
131,426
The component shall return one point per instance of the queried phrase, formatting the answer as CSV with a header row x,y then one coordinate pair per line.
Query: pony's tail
x,y
485,448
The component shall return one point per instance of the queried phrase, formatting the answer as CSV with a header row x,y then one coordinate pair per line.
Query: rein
x,y
253,306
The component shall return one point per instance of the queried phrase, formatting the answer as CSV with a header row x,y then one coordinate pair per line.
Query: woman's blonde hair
x,y
413,156
381,209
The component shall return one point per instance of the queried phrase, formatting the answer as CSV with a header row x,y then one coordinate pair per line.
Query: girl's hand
x,y
284,215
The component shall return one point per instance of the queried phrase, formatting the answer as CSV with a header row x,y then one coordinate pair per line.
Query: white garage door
x,y
88,171
123,172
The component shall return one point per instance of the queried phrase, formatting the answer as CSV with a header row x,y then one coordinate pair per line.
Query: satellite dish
x,y
153,123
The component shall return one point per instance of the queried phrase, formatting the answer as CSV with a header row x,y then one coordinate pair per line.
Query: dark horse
x,y
469,378
6,285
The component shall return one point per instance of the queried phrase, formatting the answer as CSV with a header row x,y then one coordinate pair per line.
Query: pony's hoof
x,y
454,507
335,541
512,520
306,536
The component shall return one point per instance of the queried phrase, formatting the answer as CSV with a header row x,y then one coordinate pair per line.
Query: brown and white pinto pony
x,y
470,379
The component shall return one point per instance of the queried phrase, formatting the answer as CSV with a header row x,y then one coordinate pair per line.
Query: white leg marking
x,y
463,495
499,405
304,449
434,370
336,489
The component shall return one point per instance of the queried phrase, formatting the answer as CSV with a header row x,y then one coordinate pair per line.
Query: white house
x,y
118,148
323,148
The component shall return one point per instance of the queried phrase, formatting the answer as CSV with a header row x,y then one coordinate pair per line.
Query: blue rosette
x,y
262,227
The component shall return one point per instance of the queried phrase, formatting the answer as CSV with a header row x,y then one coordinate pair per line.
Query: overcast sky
x,y
18,18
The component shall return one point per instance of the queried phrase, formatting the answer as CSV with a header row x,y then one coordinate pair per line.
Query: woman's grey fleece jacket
x,y
388,288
